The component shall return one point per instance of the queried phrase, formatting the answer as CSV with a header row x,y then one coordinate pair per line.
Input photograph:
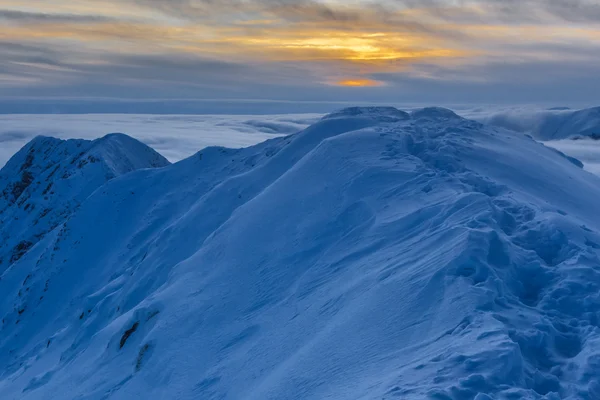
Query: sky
x,y
189,56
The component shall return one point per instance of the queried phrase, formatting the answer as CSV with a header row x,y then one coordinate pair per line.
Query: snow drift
x,y
374,255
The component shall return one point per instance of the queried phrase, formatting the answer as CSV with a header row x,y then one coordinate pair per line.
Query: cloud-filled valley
x,y
174,136
179,136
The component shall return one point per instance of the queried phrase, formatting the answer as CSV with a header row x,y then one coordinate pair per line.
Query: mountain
x,y
374,255
552,124
579,123
45,182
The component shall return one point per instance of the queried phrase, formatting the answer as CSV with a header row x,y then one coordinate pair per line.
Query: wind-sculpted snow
x,y
426,257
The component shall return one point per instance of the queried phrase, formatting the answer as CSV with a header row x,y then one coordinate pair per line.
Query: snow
x,y
384,114
434,113
585,150
45,182
572,131
420,256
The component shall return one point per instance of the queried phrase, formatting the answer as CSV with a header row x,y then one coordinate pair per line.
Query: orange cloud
x,y
358,82
331,43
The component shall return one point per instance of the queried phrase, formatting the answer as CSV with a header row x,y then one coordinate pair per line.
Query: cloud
x,y
291,49
511,11
37,17
176,137
14,136
358,82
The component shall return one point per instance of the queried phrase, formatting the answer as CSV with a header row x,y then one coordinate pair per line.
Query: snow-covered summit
x,y
123,154
381,114
392,114
45,182
423,258
438,113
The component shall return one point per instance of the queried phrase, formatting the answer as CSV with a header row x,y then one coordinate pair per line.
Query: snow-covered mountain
x,y
49,178
552,124
375,255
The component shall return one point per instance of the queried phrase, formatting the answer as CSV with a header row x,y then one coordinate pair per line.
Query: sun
x,y
358,82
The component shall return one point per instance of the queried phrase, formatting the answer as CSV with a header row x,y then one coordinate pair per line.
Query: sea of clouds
x,y
179,136
174,136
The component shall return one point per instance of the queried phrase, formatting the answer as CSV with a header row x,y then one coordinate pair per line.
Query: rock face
x,y
45,182
414,257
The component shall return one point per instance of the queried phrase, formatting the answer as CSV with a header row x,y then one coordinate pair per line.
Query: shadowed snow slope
x,y
366,257
49,178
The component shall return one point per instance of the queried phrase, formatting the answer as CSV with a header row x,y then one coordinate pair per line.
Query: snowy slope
x,y
552,124
586,151
49,178
374,255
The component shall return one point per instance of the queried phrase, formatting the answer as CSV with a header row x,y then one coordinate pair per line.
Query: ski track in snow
x,y
374,255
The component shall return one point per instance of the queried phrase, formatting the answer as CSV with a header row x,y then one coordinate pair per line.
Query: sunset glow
x,y
285,43
358,82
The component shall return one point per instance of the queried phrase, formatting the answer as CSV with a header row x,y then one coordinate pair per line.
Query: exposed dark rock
x,y
127,334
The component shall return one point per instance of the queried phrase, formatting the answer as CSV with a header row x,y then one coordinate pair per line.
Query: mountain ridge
x,y
361,258
32,181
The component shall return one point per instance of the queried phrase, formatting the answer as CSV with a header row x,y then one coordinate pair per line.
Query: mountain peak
x,y
48,178
435,113
380,113
123,154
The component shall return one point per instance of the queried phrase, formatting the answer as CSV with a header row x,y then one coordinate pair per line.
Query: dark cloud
x,y
584,11
15,48
511,11
32,17
14,136
541,82
508,11
30,61
191,75
223,12
164,75
575,10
